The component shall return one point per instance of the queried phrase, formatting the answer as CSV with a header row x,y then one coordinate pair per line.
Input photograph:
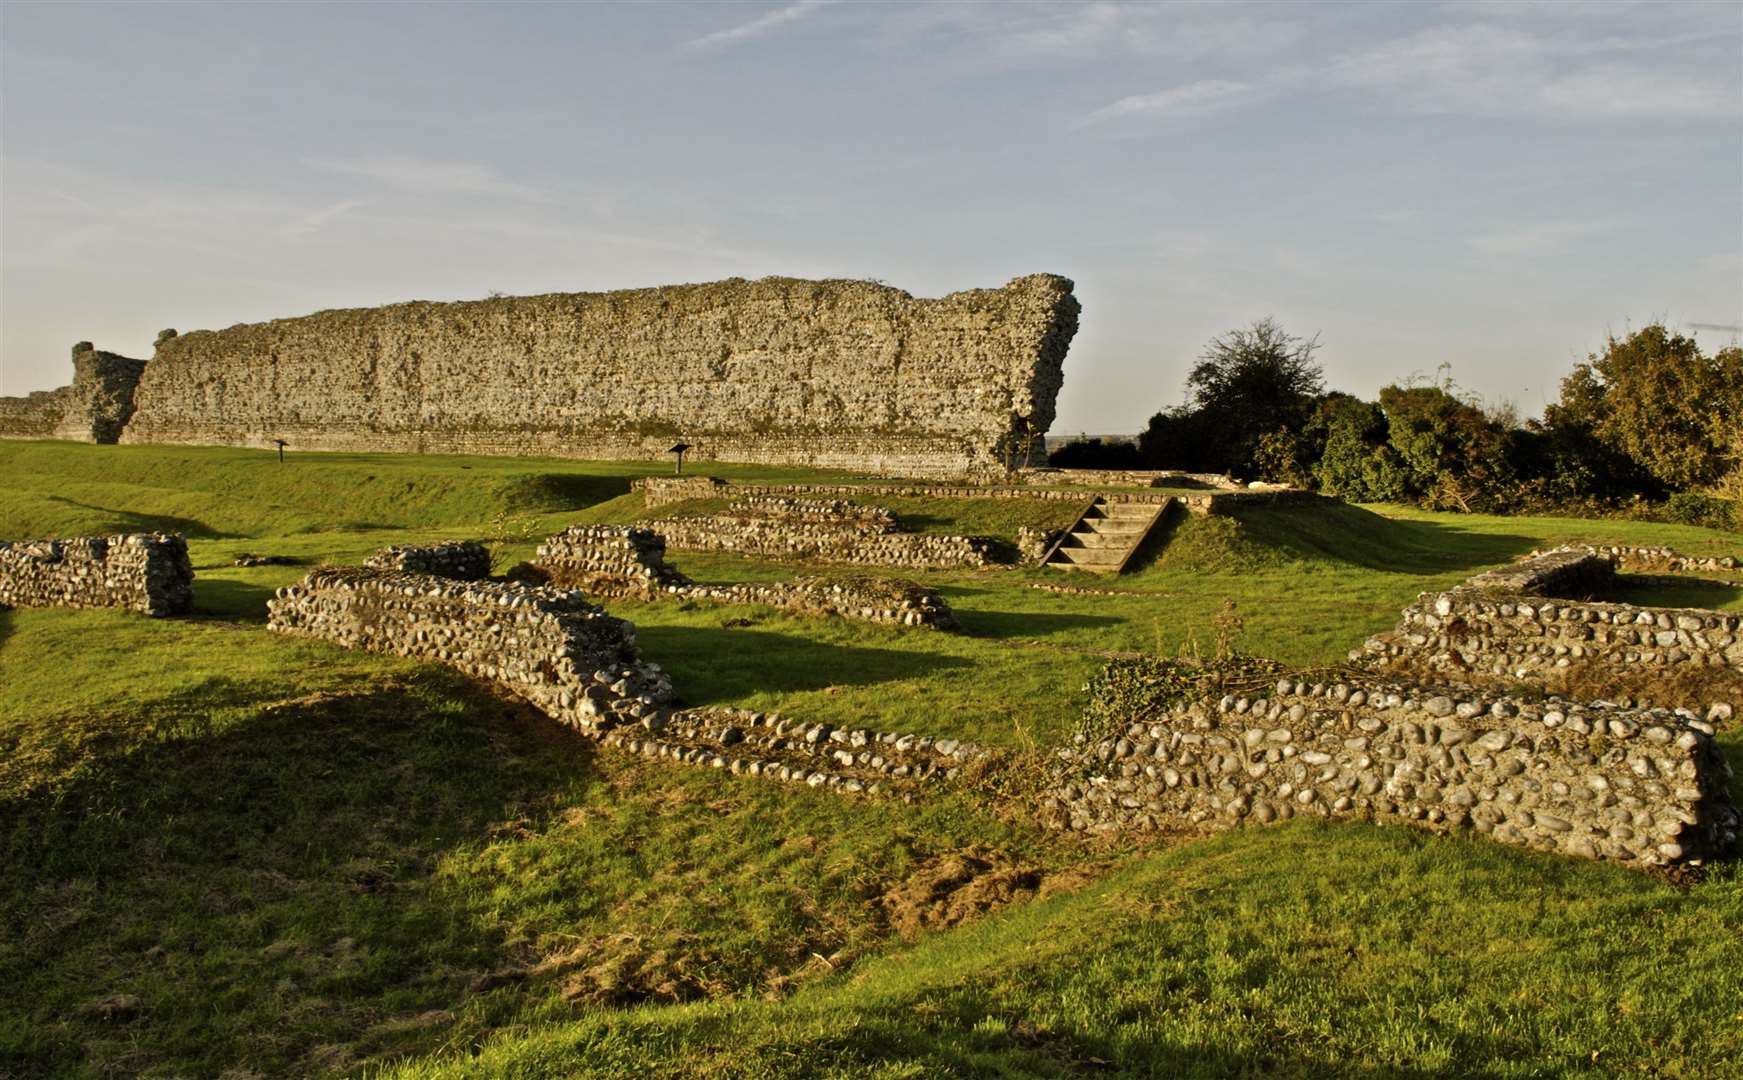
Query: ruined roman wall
x,y
463,560
614,561
147,572
567,657
1531,620
844,374
94,408
1646,787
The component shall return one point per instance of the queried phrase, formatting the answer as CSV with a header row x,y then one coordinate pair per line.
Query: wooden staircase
x,y
1105,536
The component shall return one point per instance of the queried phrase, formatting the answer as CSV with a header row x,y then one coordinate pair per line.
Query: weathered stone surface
x,y
1647,787
768,745
550,646
844,374
824,530
1512,624
93,409
464,560
146,572
612,561
1565,572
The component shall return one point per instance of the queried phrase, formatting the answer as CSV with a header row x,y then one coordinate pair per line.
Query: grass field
x,y
232,853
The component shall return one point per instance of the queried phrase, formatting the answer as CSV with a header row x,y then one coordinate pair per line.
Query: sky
x,y
1490,186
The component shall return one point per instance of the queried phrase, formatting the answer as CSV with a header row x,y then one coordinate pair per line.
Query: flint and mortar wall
x,y
1510,623
465,560
567,657
630,562
94,409
146,572
845,374
771,539
1598,781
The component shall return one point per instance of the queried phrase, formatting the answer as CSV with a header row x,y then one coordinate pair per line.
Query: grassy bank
x,y
228,851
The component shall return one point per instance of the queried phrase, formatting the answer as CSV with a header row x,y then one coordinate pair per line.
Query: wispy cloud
x,y
755,28
1524,239
1490,70
1193,99
424,177
316,220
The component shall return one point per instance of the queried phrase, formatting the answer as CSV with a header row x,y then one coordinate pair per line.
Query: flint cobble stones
x,y
146,572
824,531
630,562
1504,623
1644,787
550,646
466,560
845,760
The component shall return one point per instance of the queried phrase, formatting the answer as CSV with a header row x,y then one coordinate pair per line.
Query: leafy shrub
x,y
1688,508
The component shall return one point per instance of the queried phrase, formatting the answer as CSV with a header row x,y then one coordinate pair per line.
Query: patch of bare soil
x,y
953,888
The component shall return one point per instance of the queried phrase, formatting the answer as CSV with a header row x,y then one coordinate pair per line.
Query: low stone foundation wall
x,y
146,572
1569,573
658,491
890,601
1648,788
1095,478
1470,631
466,560
603,560
1510,624
608,560
1636,559
848,760
567,657
1033,542
825,531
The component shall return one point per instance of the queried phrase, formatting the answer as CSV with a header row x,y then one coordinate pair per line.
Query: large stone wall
x,y
567,657
95,408
846,374
146,572
1589,779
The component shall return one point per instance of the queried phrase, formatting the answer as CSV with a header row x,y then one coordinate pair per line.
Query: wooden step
x,y
1105,536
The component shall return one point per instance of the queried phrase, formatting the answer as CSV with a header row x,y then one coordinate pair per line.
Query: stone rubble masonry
x,y
1645,787
147,572
550,646
604,560
825,531
832,374
608,560
847,760
94,409
582,667
658,491
1511,623
463,560
1569,573
1034,541
1637,559
1143,478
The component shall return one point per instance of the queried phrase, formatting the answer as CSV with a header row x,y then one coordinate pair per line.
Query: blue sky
x,y
1493,186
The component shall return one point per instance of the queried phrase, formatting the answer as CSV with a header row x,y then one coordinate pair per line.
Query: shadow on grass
x,y
292,860
130,521
5,624
228,598
1028,624
714,663
1276,536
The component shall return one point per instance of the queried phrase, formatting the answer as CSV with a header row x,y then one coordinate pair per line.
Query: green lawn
x,y
232,852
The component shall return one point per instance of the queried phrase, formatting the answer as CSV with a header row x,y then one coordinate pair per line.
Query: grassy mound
x,y
231,851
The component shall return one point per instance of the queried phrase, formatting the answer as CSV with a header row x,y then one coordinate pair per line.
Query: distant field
x,y
227,850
